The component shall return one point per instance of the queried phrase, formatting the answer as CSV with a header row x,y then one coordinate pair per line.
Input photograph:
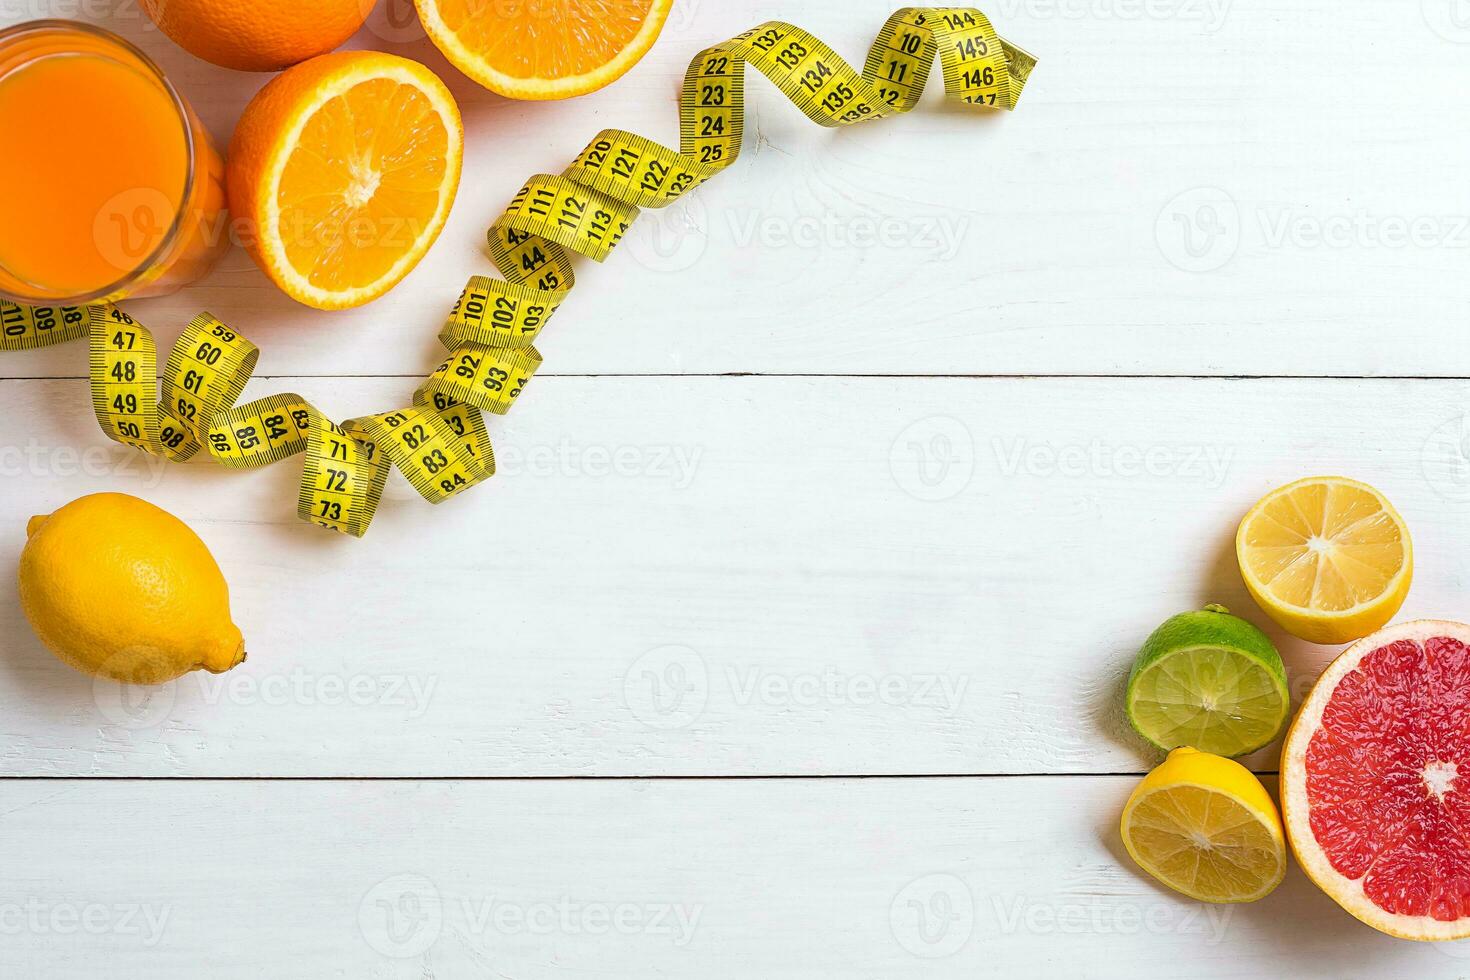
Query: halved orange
x,y
544,49
343,170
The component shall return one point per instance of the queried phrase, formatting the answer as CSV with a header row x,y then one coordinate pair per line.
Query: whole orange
x,y
258,35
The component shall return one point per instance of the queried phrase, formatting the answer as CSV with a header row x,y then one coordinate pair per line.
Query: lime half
x,y
1210,680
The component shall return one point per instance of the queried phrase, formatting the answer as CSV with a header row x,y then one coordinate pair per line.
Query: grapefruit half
x,y
1375,780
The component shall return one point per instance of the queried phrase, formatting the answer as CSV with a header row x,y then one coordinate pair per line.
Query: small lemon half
x,y
1206,827
1328,558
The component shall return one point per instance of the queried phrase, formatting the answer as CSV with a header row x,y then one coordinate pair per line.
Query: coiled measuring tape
x,y
440,442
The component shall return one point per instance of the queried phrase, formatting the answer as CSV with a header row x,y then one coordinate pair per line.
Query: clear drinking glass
x,y
109,186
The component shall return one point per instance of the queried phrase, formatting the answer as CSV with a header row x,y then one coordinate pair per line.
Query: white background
x,y
789,640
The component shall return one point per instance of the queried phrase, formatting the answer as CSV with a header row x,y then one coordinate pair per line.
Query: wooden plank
x,y
1055,240
704,878
717,576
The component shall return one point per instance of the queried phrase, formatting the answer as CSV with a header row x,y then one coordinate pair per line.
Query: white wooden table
x,y
790,638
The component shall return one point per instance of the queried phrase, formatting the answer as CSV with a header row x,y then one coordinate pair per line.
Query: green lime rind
x,y
1210,680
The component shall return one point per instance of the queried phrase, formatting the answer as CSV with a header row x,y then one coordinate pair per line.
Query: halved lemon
x,y
1207,828
544,49
343,170
1327,558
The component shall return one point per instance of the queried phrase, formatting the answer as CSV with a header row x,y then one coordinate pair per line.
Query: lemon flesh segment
x,y
1327,547
1214,699
1205,844
1327,558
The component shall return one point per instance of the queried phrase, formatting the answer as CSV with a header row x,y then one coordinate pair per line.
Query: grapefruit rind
x,y
1296,809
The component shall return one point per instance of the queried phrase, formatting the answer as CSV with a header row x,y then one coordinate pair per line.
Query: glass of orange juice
x,y
109,186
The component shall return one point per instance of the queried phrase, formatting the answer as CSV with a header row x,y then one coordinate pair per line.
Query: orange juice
x,y
109,186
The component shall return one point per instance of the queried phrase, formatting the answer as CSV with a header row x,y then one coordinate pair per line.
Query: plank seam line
x,y
1030,376
545,779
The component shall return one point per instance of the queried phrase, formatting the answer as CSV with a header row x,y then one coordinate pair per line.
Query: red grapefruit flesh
x,y
1375,780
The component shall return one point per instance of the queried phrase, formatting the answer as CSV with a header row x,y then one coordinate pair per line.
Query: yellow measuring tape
x,y
440,442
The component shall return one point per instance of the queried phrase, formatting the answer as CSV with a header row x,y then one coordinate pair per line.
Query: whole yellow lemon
x,y
117,587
